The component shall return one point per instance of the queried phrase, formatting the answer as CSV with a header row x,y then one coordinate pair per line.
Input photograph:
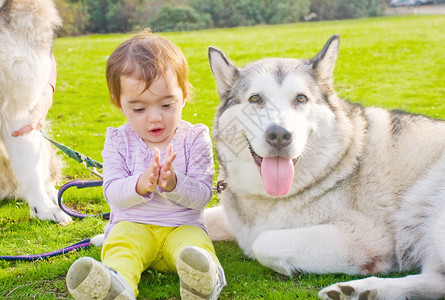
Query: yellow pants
x,y
131,248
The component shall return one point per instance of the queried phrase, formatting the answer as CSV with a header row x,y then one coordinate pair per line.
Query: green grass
x,y
393,62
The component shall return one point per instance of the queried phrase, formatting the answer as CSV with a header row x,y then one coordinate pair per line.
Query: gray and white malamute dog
x,y
317,184
29,167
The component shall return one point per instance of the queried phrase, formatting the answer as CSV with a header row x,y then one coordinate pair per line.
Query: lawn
x,y
393,62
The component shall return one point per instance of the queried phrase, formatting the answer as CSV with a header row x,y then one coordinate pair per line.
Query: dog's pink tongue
x,y
277,174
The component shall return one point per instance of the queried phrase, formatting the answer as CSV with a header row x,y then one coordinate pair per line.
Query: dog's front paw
x,y
50,213
52,194
345,291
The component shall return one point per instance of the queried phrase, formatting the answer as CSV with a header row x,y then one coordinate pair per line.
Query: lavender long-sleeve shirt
x,y
126,157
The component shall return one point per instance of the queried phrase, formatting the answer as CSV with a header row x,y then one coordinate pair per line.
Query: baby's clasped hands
x,y
158,174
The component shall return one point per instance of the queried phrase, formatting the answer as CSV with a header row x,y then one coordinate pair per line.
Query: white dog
x,y
317,184
29,167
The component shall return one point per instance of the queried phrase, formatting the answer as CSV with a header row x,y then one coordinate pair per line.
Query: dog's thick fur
x,y
29,167
368,190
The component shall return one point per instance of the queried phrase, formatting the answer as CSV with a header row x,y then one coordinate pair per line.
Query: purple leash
x,y
79,185
82,244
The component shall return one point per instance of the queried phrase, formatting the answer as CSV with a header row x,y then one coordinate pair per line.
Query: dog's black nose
x,y
278,136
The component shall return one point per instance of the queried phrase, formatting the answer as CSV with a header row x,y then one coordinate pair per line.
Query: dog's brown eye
x,y
254,99
301,98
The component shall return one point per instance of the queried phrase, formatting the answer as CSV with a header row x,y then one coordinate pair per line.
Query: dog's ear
x,y
323,63
223,70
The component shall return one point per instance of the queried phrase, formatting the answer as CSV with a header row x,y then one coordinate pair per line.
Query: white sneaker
x,y
200,277
89,279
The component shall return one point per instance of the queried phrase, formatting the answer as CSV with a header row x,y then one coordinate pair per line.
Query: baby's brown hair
x,y
145,57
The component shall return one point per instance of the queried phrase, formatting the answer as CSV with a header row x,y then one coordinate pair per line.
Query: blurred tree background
x,y
106,16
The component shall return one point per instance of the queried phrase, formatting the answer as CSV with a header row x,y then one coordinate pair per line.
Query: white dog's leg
x,y
428,285
98,240
217,225
28,163
318,249
438,242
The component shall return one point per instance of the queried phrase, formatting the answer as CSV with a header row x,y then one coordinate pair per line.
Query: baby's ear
x,y
120,108
115,101
185,95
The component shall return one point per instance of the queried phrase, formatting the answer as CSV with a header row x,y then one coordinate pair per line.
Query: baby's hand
x,y
167,175
148,181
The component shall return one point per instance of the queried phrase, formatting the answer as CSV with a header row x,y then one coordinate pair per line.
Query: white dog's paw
x,y
52,194
53,213
98,240
345,291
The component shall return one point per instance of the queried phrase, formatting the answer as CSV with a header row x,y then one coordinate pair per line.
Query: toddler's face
x,y
153,114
